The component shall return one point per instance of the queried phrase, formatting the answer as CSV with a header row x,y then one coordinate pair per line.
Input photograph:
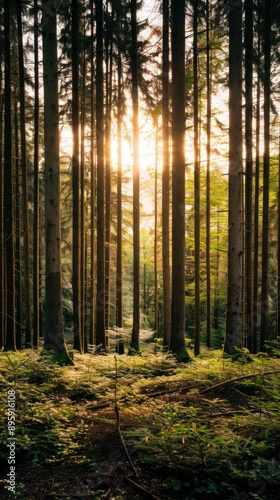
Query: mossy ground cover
x,y
112,424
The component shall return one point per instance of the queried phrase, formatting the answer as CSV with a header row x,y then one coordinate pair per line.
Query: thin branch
x,y
235,379
141,488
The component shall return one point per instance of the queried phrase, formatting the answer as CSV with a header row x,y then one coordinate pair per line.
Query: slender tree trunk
x,y
2,270
256,206
234,300
278,249
249,167
93,187
82,211
196,189
26,230
100,311
136,183
166,178
10,339
109,76
156,235
266,168
75,180
18,233
177,344
208,178
216,290
54,333
119,305
36,190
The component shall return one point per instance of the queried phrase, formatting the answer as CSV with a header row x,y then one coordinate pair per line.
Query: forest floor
x,y
138,427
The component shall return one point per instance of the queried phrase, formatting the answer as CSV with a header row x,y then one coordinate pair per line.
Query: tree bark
x,y
18,233
257,205
166,178
10,339
266,175
109,76
76,281
234,298
119,288
92,187
2,263
25,216
249,167
177,343
100,302
134,346
208,178
54,333
36,190
196,188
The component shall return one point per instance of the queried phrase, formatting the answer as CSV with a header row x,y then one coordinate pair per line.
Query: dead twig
x,y
119,427
236,379
141,488
170,391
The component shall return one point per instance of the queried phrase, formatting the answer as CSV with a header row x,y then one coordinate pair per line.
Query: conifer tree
x,y
233,336
177,343
54,332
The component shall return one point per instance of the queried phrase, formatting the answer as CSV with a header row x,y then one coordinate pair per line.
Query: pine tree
x,y
100,301
134,346
177,343
54,333
234,297
10,339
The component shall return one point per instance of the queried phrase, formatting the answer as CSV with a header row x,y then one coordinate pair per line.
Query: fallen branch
x,y
124,443
170,391
118,424
236,379
141,488
98,407
235,412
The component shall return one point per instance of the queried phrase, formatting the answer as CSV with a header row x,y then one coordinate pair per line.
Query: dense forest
x,y
140,206
139,173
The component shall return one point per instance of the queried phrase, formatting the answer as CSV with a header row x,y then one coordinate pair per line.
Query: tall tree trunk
x,y
249,167
257,204
2,270
196,188
100,311
234,297
18,234
10,340
208,178
278,249
177,343
54,334
136,182
266,159
82,211
93,186
165,178
75,180
36,190
26,230
109,76
119,287
156,235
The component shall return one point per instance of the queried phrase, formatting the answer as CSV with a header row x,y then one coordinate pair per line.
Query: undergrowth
x,y
221,443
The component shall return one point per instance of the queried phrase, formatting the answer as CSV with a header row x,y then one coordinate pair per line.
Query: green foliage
x,y
200,446
242,355
273,348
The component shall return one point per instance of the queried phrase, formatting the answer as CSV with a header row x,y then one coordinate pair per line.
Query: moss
x,y
63,358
